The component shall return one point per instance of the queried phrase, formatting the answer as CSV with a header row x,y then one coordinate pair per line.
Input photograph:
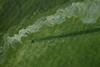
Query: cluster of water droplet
x,y
87,12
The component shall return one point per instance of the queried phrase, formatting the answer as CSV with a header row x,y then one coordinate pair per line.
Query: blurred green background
x,y
75,51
